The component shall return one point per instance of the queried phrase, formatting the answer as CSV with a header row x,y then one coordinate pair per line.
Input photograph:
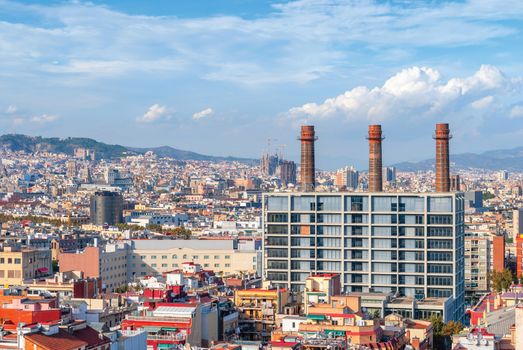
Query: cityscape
x,y
387,217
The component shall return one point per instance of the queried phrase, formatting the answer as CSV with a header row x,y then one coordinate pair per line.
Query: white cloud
x,y
44,118
516,111
207,112
412,93
11,109
155,113
482,103
298,41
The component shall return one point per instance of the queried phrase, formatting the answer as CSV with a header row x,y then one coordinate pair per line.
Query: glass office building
x,y
411,244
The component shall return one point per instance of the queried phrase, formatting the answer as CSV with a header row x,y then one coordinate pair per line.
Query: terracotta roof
x,y
61,340
91,336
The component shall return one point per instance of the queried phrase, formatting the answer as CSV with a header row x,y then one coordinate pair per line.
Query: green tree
x,y
443,332
501,280
488,195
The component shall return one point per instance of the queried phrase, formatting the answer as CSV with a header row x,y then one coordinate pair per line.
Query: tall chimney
x,y
375,162
442,138
307,178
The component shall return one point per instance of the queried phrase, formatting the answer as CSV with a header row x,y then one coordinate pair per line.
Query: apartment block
x,y
19,264
108,262
484,253
407,243
150,257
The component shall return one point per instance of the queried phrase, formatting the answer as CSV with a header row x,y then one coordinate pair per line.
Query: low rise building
x,y
18,264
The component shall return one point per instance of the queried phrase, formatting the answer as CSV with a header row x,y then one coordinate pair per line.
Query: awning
x,y
165,346
338,333
169,329
315,317
43,269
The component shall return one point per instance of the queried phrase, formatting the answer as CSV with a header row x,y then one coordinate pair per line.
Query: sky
x,y
223,77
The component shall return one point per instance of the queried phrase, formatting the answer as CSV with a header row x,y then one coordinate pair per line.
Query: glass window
x,y
329,203
384,203
153,256
305,203
357,203
414,204
440,204
279,203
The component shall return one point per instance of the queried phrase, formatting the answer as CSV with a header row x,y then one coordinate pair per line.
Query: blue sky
x,y
222,76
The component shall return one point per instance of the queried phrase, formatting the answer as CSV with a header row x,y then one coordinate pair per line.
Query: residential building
x,y
108,262
151,257
406,243
347,178
18,264
258,309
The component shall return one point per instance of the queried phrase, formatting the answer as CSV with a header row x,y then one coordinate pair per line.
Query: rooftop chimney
x,y
442,138
307,178
375,162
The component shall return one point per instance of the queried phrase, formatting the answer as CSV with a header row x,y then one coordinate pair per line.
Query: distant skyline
x,y
219,77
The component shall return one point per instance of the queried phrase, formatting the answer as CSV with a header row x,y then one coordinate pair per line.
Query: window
x,y
164,256
206,257
174,265
204,265
142,257
216,256
143,265
216,265
185,256
153,257
227,265
2,260
357,203
329,203
9,260
227,256
277,217
305,203
18,261
384,204
164,265
278,203
413,204
153,265
440,204
175,256
195,257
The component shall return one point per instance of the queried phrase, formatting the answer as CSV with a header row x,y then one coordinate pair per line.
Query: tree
x,y
451,328
443,332
487,195
501,280
181,233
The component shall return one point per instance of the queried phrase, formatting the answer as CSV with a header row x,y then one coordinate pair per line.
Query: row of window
x,y
359,203
175,265
10,260
184,256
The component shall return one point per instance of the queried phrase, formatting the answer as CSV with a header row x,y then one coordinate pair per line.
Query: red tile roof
x,y
91,336
61,340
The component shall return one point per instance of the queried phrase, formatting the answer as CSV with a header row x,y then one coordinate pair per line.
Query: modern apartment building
x,y
407,243
484,253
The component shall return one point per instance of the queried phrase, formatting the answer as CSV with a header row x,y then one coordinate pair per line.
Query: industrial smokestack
x,y
442,138
375,161
307,178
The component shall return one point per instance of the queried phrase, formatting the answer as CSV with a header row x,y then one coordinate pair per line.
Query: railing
x,y
157,319
177,337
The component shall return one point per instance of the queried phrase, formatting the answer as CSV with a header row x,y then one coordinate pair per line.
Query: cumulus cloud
x,y
155,113
44,118
413,92
11,109
207,112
